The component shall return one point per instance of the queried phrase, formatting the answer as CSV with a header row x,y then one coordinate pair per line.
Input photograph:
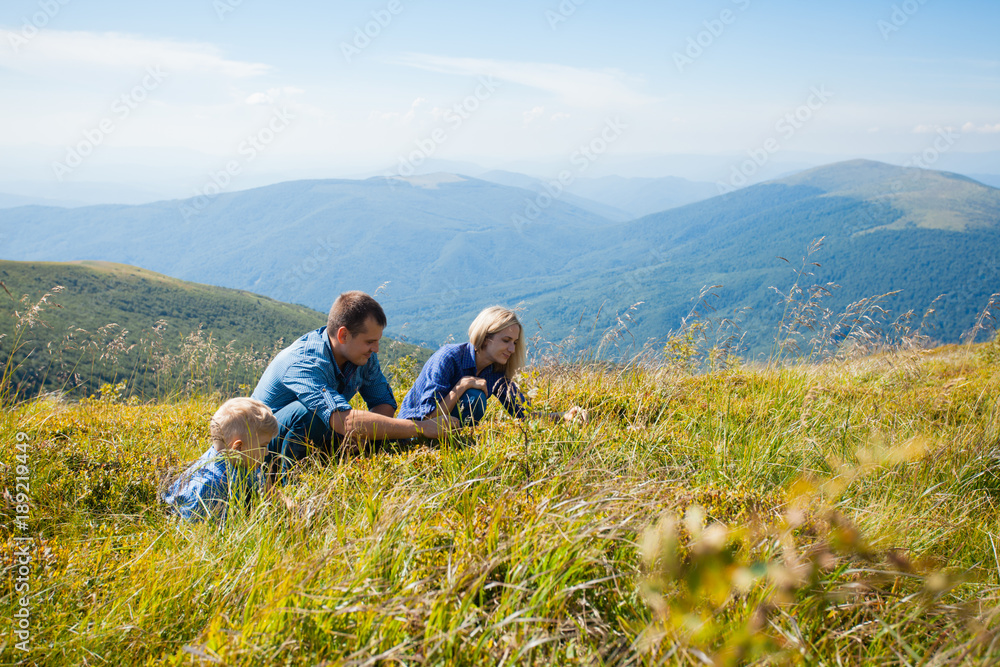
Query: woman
x,y
458,379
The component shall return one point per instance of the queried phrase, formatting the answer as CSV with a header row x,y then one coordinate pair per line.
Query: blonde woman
x,y
458,379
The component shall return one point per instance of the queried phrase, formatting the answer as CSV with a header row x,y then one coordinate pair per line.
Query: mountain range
x,y
437,248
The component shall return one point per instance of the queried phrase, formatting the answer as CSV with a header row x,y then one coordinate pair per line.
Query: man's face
x,y
358,348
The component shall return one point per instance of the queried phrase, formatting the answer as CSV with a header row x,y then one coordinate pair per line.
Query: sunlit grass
x,y
859,499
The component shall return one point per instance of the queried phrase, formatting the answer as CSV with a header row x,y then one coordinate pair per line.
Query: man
x,y
310,383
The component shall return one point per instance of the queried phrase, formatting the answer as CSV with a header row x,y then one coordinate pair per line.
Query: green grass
x,y
859,499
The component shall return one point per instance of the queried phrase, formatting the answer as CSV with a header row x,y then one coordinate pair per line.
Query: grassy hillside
x,y
842,513
113,323
925,199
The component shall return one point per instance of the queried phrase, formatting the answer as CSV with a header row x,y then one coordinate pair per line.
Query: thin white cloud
x,y
967,128
981,129
575,85
559,115
399,118
533,114
272,95
931,129
58,49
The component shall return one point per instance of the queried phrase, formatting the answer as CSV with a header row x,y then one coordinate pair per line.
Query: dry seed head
x,y
694,520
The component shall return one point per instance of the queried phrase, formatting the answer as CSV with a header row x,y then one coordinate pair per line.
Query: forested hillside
x,y
103,323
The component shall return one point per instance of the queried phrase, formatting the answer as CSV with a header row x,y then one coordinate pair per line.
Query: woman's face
x,y
499,347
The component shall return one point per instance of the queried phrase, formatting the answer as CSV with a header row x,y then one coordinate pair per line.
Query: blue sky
x,y
533,80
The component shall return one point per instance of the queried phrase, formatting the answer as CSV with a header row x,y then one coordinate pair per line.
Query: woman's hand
x,y
575,415
471,382
451,400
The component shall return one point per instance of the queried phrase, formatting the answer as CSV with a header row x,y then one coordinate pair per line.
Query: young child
x,y
240,431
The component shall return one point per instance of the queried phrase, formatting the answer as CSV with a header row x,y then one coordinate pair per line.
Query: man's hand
x,y
437,427
362,425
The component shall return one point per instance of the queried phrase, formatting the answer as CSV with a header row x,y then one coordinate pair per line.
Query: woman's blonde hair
x,y
493,320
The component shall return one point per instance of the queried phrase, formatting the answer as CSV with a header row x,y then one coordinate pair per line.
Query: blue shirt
x,y
306,371
443,371
206,487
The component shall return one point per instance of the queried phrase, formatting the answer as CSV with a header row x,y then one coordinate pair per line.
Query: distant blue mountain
x,y
444,246
642,196
306,241
616,197
993,180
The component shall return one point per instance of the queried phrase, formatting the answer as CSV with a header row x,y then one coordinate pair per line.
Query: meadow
x,y
834,511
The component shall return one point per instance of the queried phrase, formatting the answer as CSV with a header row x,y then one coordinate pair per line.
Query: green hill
x,y
924,199
112,323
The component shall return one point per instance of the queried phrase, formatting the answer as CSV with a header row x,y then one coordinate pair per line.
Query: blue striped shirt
x,y
306,371
443,371
207,486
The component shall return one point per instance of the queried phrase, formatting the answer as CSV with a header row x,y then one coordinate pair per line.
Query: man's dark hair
x,y
352,310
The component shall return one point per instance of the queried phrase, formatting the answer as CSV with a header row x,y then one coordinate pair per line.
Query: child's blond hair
x,y
241,419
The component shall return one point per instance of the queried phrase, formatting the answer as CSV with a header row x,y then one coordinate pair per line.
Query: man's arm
x,y
375,389
376,426
384,409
